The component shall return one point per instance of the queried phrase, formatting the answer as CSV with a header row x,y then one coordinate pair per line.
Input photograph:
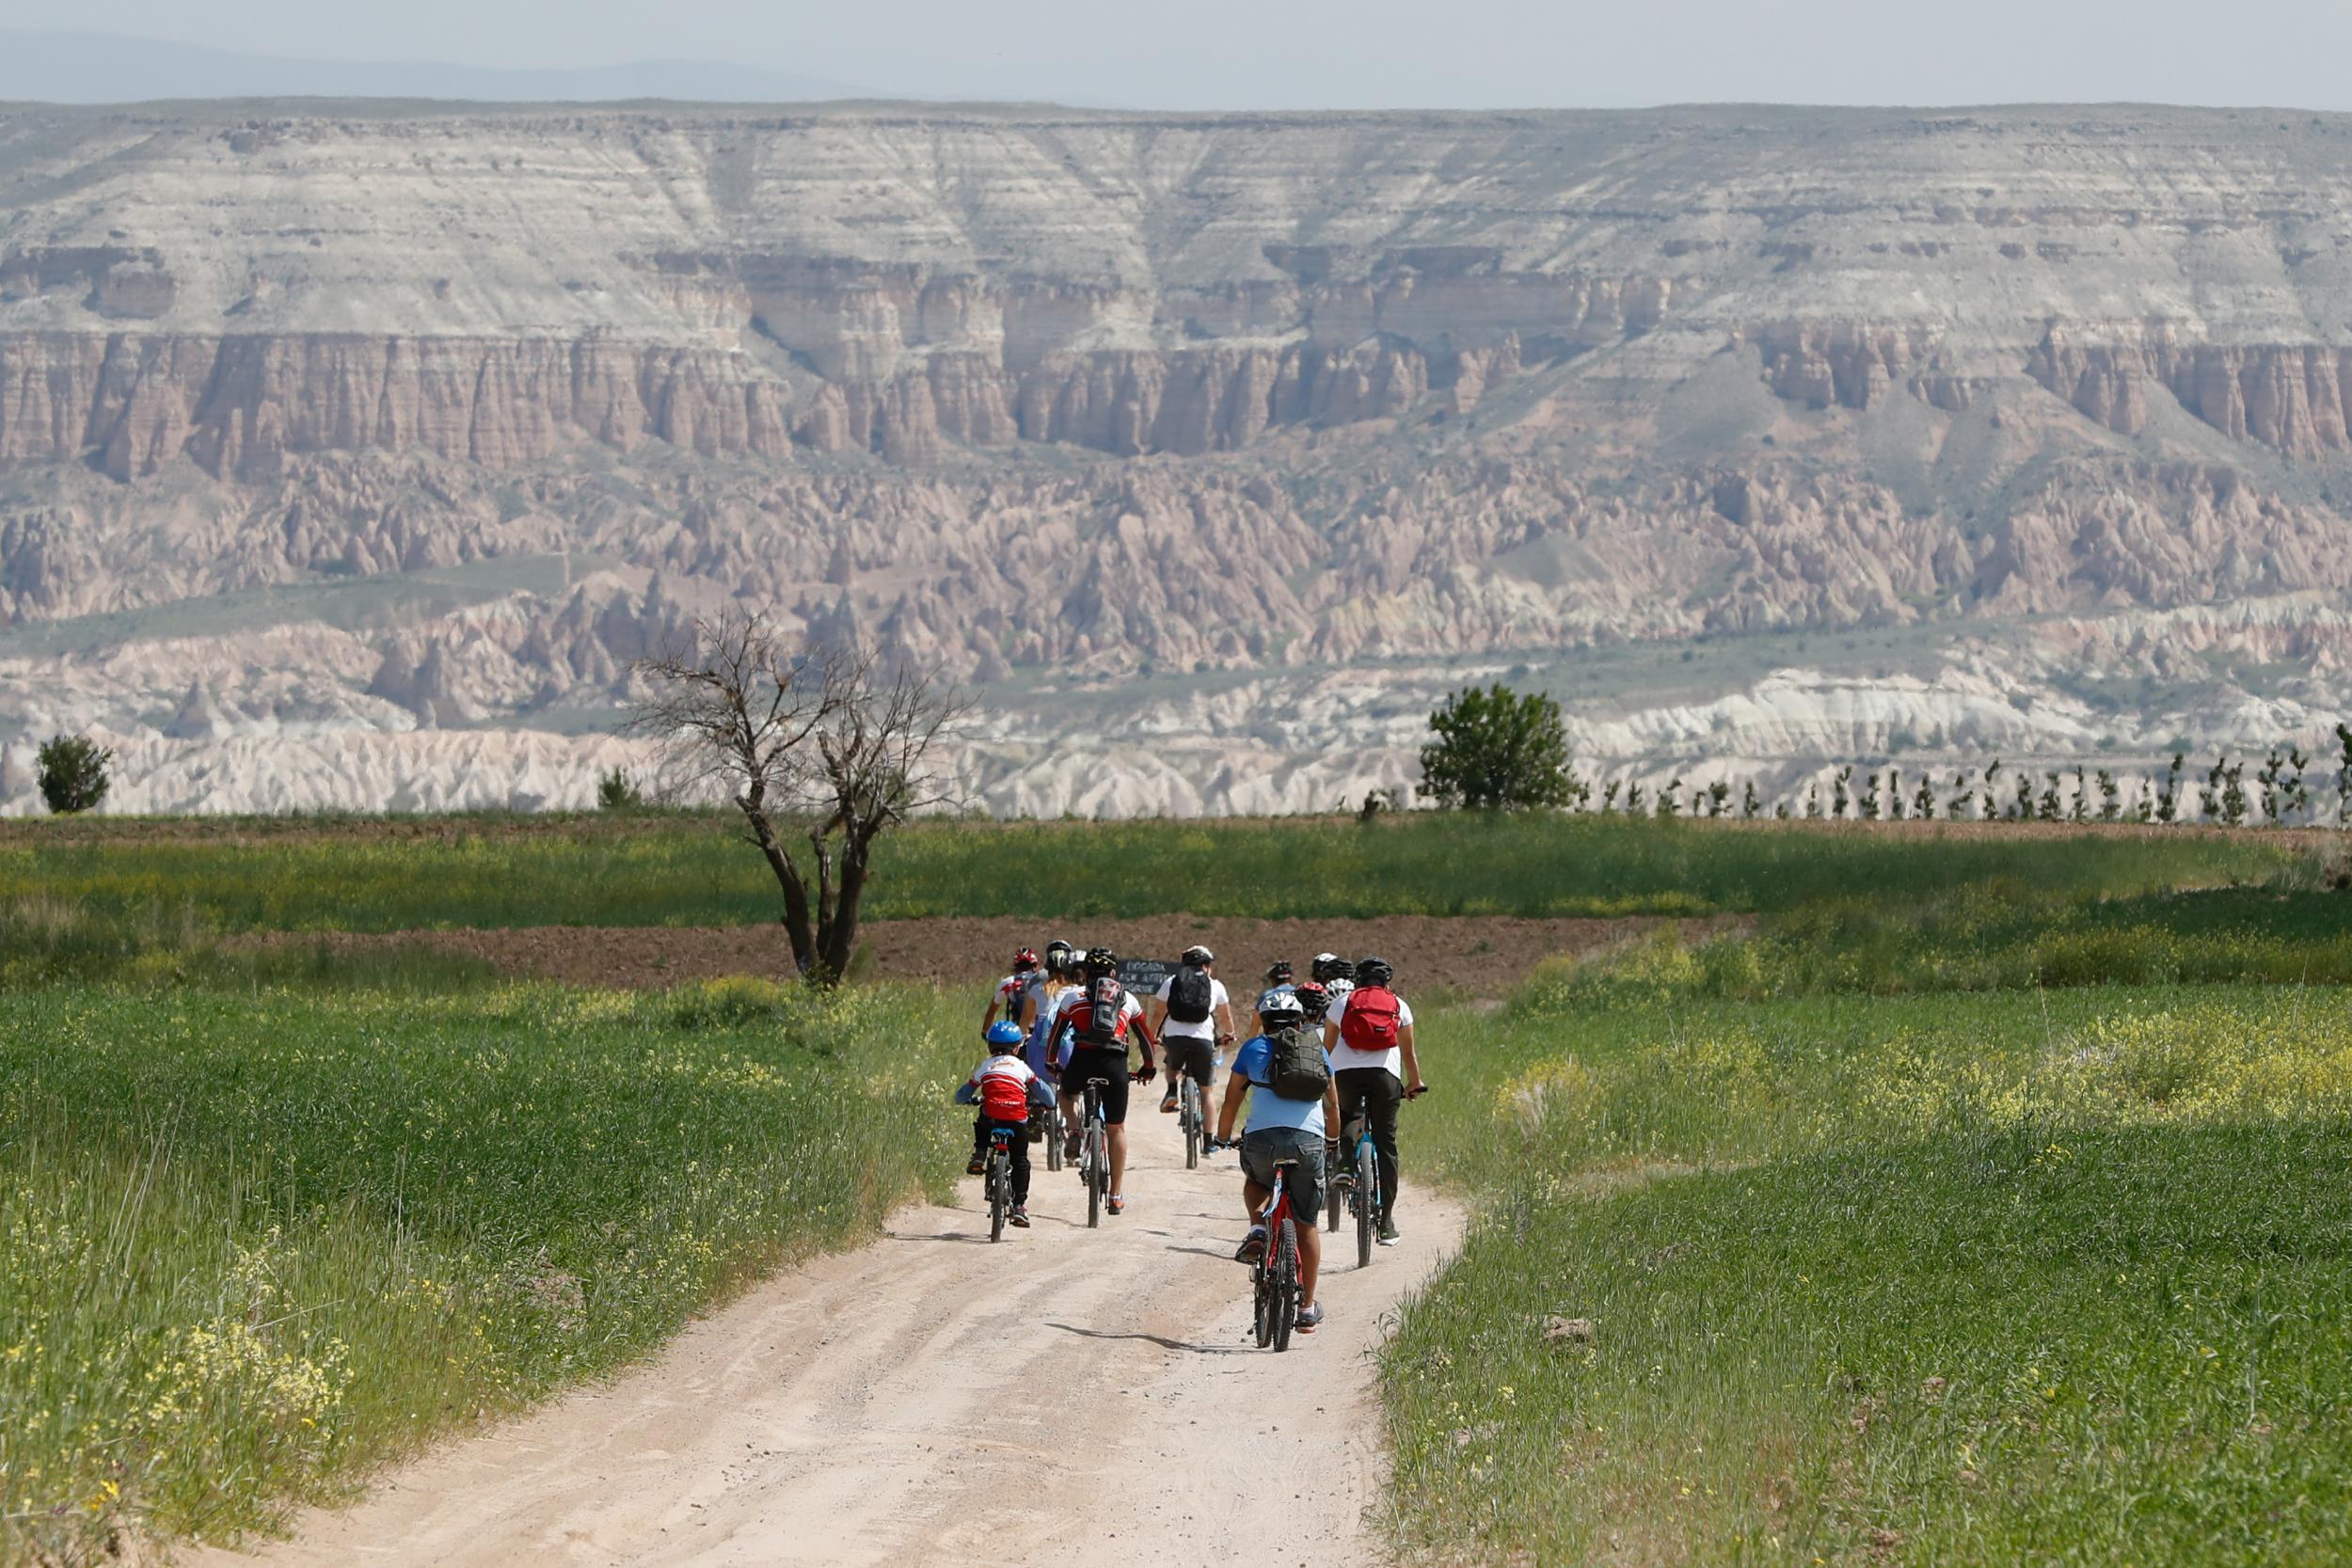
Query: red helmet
x,y
1026,959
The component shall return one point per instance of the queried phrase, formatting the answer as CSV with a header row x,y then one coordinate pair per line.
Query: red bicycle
x,y
1274,1277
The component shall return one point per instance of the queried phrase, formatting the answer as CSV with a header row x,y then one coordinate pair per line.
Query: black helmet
x,y
1278,974
1101,960
1057,954
1331,966
1373,971
1198,956
1312,1000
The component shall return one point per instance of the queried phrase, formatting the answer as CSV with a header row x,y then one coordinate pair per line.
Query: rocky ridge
x,y
350,453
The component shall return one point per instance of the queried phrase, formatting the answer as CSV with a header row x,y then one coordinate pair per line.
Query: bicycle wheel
x,y
1053,1139
1334,1200
1262,1289
1367,1202
1098,1173
999,1192
1190,1104
1285,1282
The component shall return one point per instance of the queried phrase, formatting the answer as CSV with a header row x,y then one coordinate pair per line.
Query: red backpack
x,y
1369,1024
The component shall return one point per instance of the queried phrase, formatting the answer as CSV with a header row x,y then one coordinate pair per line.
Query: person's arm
x,y
1150,1046
1158,1010
1235,1087
1331,1106
1412,1061
1330,1035
989,1017
1225,1023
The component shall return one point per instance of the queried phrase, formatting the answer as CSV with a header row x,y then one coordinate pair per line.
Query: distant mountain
x,y
105,67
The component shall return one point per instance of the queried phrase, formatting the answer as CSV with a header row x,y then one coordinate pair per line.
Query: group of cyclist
x,y
1336,1049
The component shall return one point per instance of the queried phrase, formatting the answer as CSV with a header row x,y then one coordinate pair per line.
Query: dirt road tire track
x,y
899,1404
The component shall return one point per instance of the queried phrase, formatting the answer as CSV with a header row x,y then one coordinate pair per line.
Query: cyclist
x,y
1097,1015
1278,976
1314,1002
1338,976
1282,1127
1368,1033
1195,1017
1005,1002
1036,1017
1005,1089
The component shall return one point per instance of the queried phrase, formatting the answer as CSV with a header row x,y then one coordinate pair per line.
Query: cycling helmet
x,y
1005,1035
1278,974
1025,959
1101,960
1373,971
1281,1006
1198,956
1331,966
1312,999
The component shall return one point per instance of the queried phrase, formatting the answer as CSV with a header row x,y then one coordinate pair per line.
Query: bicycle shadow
x,y
1160,1339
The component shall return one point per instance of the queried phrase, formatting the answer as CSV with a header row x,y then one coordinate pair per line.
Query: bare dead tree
x,y
817,744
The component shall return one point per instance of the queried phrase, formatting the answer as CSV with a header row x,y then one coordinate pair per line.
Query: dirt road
x,y
937,1399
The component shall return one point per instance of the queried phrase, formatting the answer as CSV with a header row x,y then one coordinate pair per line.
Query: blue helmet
x,y
1005,1033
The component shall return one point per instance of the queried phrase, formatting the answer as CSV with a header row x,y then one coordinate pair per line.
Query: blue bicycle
x,y
1354,1185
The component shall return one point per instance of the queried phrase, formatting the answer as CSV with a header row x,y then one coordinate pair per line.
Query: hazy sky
x,y
1312,53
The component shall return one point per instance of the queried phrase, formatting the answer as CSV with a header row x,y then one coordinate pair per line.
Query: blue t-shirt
x,y
1266,1108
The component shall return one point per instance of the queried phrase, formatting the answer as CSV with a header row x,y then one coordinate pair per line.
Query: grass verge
x,y
258,1243
1992,1279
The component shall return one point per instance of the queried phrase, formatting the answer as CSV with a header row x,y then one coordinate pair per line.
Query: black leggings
x,y
1374,1092
1020,1153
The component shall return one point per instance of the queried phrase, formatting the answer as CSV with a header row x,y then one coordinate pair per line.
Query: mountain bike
x,y
1094,1153
1191,1115
1047,1119
1273,1277
997,1181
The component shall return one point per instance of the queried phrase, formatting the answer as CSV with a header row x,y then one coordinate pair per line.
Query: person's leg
x,y
1350,1086
1386,1093
1309,1202
1115,1118
1020,1170
979,1147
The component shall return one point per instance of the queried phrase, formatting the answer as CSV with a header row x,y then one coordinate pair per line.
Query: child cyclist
x,y
1005,1089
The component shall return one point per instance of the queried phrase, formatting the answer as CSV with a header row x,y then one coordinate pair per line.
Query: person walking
x,y
1368,1033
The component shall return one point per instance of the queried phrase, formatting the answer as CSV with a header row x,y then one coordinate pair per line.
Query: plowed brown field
x,y
1484,956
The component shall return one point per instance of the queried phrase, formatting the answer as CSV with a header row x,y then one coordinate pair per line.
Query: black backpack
x,y
1188,995
1295,1066
1106,999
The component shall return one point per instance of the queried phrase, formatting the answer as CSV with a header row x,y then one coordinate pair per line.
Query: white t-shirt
x,y
1204,1030
1345,1055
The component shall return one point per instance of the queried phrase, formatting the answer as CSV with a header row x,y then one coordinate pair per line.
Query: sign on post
x,y
1143,977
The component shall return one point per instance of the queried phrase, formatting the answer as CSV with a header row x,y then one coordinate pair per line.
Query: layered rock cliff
x,y
323,421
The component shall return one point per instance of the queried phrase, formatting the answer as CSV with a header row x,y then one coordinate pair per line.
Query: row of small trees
x,y
1496,747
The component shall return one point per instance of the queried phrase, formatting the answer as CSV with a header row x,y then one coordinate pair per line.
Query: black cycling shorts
x,y
1195,1058
1109,1065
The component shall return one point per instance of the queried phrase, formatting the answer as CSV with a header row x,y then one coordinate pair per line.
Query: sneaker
x,y
1168,1106
1116,1205
1252,1247
1069,1152
978,1165
1345,1180
1021,1217
1309,1318
1389,1235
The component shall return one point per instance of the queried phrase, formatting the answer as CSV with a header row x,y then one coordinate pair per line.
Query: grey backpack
x,y
1295,1066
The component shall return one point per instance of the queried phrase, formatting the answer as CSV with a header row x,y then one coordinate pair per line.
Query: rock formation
x,y
345,447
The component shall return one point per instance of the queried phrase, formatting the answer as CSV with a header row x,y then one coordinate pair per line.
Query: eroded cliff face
x,y
475,407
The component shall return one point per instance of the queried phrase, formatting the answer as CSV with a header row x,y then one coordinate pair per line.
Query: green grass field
x,y
696,870
2052,1277
255,1243
1984,1205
